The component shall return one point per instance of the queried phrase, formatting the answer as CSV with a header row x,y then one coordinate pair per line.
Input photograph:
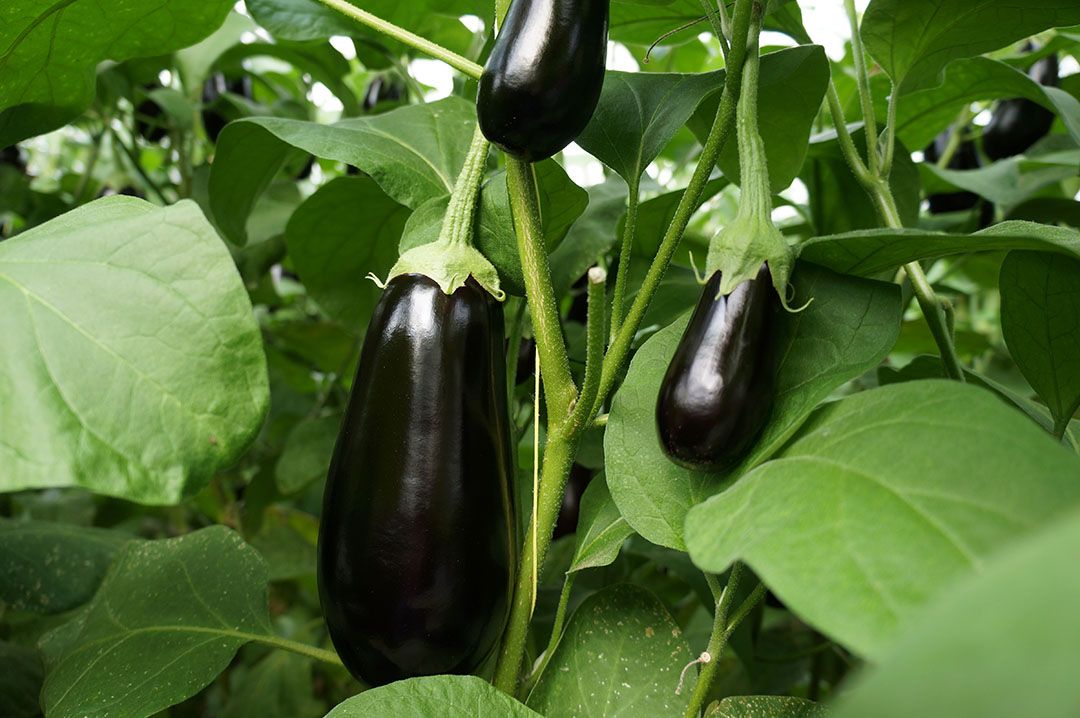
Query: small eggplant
x,y
720,386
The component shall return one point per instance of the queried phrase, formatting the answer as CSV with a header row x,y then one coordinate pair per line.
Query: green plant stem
x,y
719,134
862,76
625,252
956,138
466,67
889,142
556,631
843,136
558,458
1061,426
303,649
460,218
133,158
725,19
712,11
596,323
716,640
91,163
560,394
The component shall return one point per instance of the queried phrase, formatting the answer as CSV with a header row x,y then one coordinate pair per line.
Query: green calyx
x,y
452,259
739,249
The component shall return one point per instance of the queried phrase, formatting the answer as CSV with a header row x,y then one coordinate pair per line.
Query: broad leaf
x,y
1007,182
449,696
49,52
591,236
921,116
767,707
166,621
601,530
1040,318
344,231
414,153
914,40
132,364
656,213
287,540
278,686
306,454
791,87
998,645
621,654
869,252
50,567
882,500
638,115
847,330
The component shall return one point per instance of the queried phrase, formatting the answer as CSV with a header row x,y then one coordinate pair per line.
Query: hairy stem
x,y
625,252
457,227
717,639
862,76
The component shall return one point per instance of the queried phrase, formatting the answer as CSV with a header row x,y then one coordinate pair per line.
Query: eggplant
x,y
416,549
1017,124
721,383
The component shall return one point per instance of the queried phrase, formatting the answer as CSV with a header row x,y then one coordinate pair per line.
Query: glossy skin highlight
x,y
720,386
415,549
543,78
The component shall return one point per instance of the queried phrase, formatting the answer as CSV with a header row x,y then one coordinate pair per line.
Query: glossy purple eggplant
x,y
416,547
1017,124
720,386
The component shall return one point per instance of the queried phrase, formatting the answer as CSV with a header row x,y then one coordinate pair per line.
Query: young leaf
x,y
771,706
133,363
847,330
869,252
49,567
621,654
997,645
347,229
638,115
914,40
413,153
1040,318
601,530
51,51
883,499
450,696
167,619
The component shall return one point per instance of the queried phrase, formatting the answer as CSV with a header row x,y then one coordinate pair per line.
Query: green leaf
x,y
639,113
869,252
1007,182
48,567
287,540
413,153
997,645
306,454
51,51
133,365
847,330
913,40
767,707
656,213
601,530
166,621
883,499
278,686
590,237
347,229
20,681
791,87
621,654
195,62
1040,319
923,115
449,696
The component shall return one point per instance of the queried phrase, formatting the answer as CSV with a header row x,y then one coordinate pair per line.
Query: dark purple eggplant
x,y
720,386
1017,124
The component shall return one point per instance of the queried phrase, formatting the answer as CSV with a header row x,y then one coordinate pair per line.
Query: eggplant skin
x,y
415,546
1018,124
720,386
543,78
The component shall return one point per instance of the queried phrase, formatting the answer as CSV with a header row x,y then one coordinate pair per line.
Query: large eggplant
x,y
720,386
415,546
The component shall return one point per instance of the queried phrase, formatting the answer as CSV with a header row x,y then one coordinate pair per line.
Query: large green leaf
x,y
49,52
167,619
1008,182
847,329
601,530
914,40
132,364
638,115
305,456
344,231
591,236
1040,318
767,707
924,114
449,696
414,153
882,500
791,86
51,567
869,252
622,654
998,645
